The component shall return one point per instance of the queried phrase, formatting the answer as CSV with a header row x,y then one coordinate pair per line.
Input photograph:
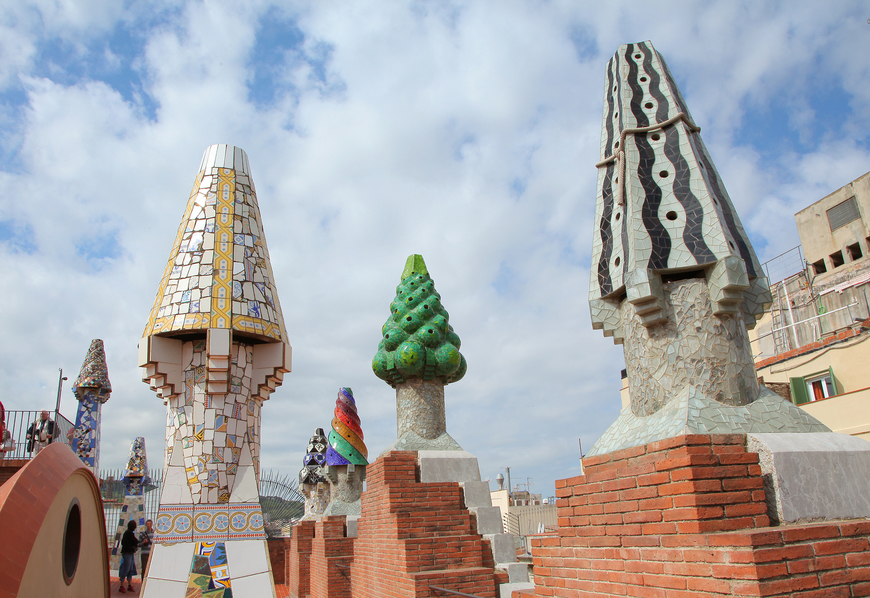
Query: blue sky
x,y
463,131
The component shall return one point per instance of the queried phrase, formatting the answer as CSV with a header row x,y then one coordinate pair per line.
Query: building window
x,y
843,213
819,267
854,252
837,259
813,388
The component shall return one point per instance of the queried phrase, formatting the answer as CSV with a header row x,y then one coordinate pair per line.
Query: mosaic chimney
x,y
674,276
214,349
92,388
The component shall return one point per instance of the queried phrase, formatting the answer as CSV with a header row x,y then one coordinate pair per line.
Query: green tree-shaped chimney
x,y
418,340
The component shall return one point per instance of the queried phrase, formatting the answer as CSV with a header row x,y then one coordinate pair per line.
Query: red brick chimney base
x,y
686,517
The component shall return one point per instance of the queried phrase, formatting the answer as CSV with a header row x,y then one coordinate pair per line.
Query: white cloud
x,y
466,132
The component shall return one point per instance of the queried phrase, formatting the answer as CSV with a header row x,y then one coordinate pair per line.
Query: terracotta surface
x,y
33,511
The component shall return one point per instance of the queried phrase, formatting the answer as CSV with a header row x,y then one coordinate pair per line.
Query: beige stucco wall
x,y
817,239
849,359
43,575
847,413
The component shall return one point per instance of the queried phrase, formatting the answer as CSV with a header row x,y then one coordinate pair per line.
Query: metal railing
x,y
452,592
18,423
113,490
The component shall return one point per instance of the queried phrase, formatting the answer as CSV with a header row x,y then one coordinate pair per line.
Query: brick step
x,y
471,580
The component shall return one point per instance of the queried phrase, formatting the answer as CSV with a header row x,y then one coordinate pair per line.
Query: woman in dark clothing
x,y
129,544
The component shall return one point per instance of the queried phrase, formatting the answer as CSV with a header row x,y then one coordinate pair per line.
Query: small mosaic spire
x,y
315,459
346,444
418,340
94,372
137,466
92,388
135,479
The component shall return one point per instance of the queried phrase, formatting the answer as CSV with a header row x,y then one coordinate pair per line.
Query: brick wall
x,y
413,535
331,556
277,548
686,517
297,575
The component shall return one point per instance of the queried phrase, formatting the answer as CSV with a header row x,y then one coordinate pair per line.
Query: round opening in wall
x,y
655,136
663,174
616,262
648,105
617,144
617,216
615,115
638,56
643,79
72,541
614,88
671,215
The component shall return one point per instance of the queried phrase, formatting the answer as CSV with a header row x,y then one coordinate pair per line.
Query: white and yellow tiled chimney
x,y
214,350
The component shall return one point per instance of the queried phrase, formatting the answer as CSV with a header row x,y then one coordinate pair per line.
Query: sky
x,y
466,132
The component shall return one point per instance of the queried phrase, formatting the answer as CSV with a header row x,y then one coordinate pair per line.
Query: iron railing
x,y
452,592
19,422
113,490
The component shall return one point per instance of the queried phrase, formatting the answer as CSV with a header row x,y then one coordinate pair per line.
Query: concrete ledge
x,y
815,476
503,550
448,466
488,520
517,572
476,494
506,590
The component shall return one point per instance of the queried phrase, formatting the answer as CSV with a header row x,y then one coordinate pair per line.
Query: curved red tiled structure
x,y
54,539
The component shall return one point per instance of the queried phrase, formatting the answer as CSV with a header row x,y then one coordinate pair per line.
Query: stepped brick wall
x,y
331,556
277,550
297,559
413,535
686,518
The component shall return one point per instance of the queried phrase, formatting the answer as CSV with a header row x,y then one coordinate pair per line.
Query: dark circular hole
x,y
615,115
671,215
655,136
408,318
614,88
638,55
648,105
616,262
617,144
618,215
663,174
643,79
72,542
425,307
410,298
430,331
386,336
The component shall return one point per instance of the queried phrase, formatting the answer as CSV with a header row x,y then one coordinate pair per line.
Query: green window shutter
x,y
799,394
834,382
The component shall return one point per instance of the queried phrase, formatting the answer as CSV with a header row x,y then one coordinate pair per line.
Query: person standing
x,y
129,544
41,433
146,538
7,444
